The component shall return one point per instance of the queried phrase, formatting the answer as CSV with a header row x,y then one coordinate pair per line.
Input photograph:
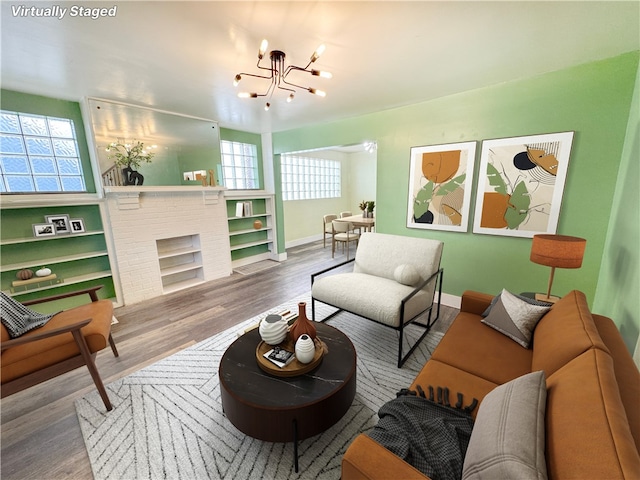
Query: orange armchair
x,y
67,341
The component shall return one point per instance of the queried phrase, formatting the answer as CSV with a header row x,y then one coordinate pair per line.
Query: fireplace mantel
x,y
128,197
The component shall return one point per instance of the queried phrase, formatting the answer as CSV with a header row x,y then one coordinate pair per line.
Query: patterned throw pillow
x,y
514,317
508,437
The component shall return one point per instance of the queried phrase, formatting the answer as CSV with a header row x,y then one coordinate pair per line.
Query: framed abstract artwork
x,y
440,186
520,184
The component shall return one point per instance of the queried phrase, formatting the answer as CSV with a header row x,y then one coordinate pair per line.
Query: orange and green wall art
x,y
520,184
440,186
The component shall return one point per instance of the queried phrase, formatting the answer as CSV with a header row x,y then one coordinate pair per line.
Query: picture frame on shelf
x,y
520,184
440,181
44,230
77,225
60,222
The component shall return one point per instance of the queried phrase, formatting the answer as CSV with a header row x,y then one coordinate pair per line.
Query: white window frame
x,y
54,157
308,178
239,165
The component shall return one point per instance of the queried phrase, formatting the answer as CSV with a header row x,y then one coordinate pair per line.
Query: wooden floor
x,y
41,436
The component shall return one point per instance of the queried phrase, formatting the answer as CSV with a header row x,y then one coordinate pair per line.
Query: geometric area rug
x,y
167,420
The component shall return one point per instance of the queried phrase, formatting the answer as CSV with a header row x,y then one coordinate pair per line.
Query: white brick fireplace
x,y
167,238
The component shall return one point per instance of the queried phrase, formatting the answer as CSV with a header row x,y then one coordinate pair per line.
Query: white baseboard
x,y
449,300
303,241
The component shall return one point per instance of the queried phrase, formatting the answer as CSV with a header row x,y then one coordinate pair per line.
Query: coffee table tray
x,y
295,367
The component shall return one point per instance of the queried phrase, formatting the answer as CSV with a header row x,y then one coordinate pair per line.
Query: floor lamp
x,y
556,251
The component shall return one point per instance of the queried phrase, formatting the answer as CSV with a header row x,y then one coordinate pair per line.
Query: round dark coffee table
x,y
287,409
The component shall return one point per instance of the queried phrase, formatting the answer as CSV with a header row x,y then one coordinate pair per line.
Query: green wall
x,y
619,283
592,99
37,105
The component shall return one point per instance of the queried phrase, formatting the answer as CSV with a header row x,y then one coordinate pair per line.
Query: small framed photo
x,y
77,225
44,230
60,222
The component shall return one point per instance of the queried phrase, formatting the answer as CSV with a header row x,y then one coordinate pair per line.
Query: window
x,y
38,154
239,165
305,178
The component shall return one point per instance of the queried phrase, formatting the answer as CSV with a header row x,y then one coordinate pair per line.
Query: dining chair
x,y
327,228
349,214
343,232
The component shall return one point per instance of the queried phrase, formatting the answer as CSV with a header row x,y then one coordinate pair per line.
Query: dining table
x,y
358,221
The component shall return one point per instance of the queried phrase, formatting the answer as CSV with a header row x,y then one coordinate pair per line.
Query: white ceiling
x,y
183,56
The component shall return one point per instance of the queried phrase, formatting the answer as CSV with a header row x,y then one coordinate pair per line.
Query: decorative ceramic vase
x,y
257,224
273,329
43,272
302,324
305,349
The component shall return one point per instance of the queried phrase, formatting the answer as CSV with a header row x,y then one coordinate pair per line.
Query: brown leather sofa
x,y
592,418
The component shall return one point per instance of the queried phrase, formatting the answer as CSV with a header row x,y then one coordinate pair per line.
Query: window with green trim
x,y
38,154
239,165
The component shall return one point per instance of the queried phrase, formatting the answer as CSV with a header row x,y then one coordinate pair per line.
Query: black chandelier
x,y
278,75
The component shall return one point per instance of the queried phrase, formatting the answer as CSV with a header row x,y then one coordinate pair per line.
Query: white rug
x,y
168,423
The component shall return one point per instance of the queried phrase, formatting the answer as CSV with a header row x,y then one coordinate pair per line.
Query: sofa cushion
x,y
626,371
514,317
24,359
564,333
406,274
586,421
438,374
369,296
474,347
508,436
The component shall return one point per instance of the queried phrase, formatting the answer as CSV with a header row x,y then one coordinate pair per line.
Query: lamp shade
x,y
561,251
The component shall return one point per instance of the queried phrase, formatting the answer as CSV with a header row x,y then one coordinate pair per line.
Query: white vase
x,y
305,349
273,329
43,272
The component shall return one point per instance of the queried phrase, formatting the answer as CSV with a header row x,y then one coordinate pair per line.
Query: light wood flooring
x,y
40,434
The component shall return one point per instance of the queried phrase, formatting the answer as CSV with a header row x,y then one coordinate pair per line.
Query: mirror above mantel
x,y
183,146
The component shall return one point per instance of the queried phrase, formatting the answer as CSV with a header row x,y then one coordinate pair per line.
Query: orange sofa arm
x,y
367,459
475,302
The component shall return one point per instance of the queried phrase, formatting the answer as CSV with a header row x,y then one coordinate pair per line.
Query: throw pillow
x,y
508,437
406,274
532,301
515,318
19,319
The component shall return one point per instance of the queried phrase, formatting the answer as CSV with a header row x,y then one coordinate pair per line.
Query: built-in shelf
x,y
13,241
77,259
52,261
249,243
64,281
180,262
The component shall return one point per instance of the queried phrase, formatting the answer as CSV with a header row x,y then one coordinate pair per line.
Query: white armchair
x,y
393,282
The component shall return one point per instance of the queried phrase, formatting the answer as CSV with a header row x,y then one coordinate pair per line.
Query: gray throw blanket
x,y
19,319
431,437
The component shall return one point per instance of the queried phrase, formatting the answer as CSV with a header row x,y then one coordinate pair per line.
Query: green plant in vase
x,y
130,156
